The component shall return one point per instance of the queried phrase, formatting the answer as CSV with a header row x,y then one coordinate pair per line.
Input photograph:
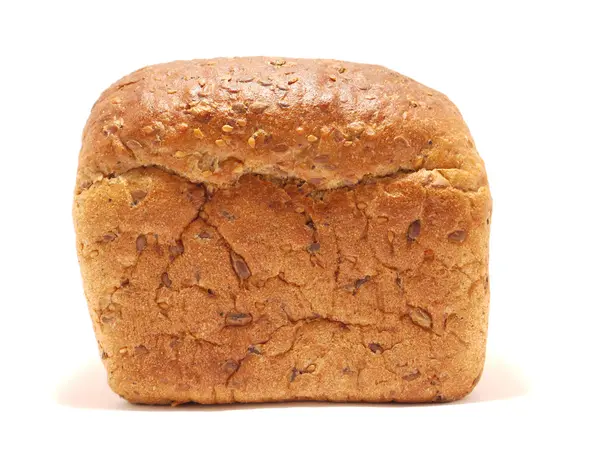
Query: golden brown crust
x,y
328,122
346,261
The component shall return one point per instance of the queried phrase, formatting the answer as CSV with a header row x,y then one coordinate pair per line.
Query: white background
x,y
525,77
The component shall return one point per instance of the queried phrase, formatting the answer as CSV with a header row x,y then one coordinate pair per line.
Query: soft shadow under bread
x,y
88,389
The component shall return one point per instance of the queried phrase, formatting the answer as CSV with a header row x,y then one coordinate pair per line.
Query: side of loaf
x,y
261,229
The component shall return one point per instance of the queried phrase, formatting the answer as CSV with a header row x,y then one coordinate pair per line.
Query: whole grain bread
x,y
263,229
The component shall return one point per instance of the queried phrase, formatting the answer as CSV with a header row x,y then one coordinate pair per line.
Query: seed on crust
x,y
414,230
140,243
230,366
457,236
314,247
239,108
166,281
421,317
412,375
177,249
375,348
236,319
239,266
258,107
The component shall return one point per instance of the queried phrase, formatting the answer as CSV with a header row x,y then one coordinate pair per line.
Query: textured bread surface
x,y
263,229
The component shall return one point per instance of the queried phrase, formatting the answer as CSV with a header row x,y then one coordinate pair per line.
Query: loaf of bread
x,y
262,229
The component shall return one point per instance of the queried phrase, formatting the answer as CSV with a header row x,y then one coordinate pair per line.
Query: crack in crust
x,y
422,175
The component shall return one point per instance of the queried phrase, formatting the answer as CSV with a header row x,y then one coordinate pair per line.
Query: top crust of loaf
x,y
330,123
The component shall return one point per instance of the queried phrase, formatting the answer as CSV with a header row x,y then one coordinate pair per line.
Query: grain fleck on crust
x,y
265,229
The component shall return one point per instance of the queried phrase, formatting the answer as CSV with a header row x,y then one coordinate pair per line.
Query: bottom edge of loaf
x,y
201,398
294,400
